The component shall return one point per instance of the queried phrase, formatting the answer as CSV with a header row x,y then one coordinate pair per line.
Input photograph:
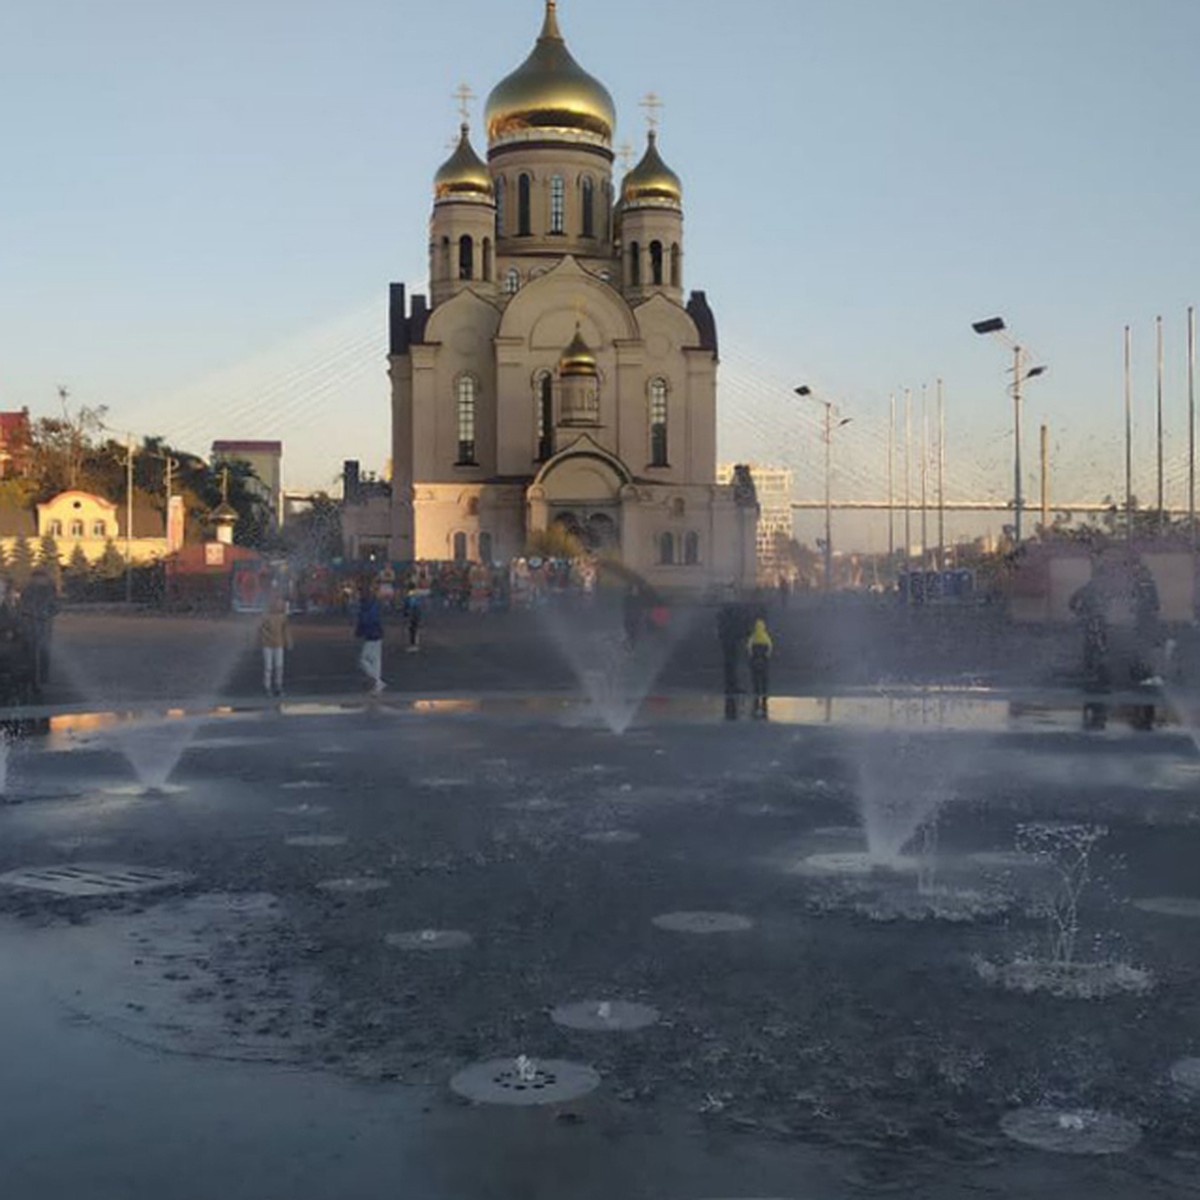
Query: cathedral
x,y
555,379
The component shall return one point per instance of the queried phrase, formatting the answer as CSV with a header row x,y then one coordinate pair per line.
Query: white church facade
x,y
556,375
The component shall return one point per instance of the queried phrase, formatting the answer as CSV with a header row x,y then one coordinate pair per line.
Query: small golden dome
x,y
652,179
577,358
550,92
464,175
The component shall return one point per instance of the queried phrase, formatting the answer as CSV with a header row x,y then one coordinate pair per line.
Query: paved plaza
x,y
815,957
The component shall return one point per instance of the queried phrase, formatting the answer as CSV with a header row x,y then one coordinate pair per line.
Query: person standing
x,y
274,636
369,630
412,617
760,648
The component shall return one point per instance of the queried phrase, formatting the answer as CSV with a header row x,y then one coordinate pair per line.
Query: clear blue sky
x,y
202,203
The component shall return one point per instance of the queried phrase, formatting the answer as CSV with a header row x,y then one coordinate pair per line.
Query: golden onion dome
x,y
464,175
550,92
652,180
577,358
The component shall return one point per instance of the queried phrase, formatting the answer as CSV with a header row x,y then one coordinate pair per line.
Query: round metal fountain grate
x,y
354,884
535,804
303,785
854,863
605,1016
303,810
1170,906
703,922
1185,1074
613,837
429,940
524,1083
141,789
316,841
838,832
1071,1131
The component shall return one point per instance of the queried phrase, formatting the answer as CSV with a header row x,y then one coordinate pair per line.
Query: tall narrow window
x,y
658,423
445,258
466,421
691,549
524,207
558,204
676,266
635,264
501,205
512,281
587,200
666,549
487,260
460,547
485,548
656,263
77,529
545,417
466,257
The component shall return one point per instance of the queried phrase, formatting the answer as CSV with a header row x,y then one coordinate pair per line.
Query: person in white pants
x,y
369,630
274,636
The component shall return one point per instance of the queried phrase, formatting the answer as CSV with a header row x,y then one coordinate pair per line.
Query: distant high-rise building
x,y
774,487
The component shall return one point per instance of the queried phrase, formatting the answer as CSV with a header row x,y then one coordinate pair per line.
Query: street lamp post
x,y
1021,373
805,391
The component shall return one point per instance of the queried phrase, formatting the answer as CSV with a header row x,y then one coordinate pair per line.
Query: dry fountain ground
x,y
820,1052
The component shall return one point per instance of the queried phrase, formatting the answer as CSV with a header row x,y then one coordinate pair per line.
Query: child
x,y
760,648
274,636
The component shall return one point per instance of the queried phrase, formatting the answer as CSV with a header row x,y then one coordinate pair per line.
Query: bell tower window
x,y
524,206
587,199
466,257
676,266
656,263
558,204
635,265
544,402
501,205
487,260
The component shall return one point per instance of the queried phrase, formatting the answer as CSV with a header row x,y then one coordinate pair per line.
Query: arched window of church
x,y
467,398
691,550
635,264
485,547
666,549
487,260
445,258
676,266
501,204
460,547
587,199
558,204
656,263
524,206
544,408
466,257
512,281
658,423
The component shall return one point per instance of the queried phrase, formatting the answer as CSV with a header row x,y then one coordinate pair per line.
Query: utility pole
x,y
1018,497
1162,511
891,478
828,496
907,477
129,518
1191,374
924,477
1045,480
941,481
1128,434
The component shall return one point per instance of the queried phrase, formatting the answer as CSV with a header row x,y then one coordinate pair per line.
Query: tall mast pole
x,y
941,483
1191,373
1162,510
924,477
907,477
891,478
1128,433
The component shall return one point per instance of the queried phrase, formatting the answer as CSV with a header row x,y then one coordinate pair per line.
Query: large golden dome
x,y
652,180
550,92
464,175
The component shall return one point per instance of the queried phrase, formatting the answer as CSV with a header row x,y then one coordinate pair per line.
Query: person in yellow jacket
x,y
274,636
760,647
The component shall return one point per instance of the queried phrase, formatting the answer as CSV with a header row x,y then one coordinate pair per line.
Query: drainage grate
x,y
1079,1131
429,940
93,879
1170,906
605,1016
303,810
853,863
316,840
303,785
703,922
360,883
523,1082
613,837
1185,1074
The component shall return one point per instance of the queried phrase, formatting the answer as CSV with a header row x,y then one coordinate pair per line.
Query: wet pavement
x,y
248,1032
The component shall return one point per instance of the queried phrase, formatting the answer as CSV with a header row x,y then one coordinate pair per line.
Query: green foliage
x,y
112,562
78,566
21,566
315,536
47,557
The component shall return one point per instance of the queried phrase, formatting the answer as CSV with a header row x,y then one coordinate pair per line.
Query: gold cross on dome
x,y
464,96
653,105
625,154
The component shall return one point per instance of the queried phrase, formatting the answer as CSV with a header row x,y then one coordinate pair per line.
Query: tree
x,y
315,536
112,562
48,557
21,566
